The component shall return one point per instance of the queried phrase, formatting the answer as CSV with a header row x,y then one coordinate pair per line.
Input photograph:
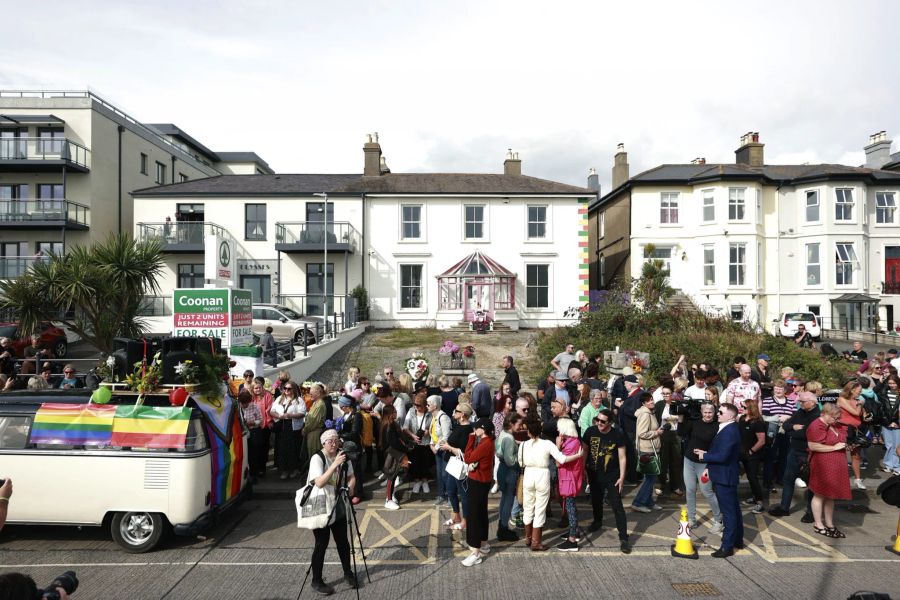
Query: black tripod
x,y
343,496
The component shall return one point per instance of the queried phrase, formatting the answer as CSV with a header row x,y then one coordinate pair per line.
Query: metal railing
x,y
16,266
45,94
179,232
311,305
316,233
37,148
44,209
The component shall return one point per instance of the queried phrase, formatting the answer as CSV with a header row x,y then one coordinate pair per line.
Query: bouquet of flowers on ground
x,y
449,348
417,367
469,351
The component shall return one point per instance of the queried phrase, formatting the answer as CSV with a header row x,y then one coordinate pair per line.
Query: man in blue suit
x,y
722,459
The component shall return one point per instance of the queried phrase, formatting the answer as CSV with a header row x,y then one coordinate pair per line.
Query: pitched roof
x,y
391,183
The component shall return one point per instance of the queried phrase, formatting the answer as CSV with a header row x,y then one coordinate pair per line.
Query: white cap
x,y
473,377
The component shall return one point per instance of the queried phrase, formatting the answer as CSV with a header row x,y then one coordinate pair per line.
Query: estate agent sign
x,y
214,312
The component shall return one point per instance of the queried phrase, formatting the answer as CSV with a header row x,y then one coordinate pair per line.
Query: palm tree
x,y
96,291
652,288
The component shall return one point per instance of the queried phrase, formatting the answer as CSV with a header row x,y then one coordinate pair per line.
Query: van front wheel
x,y
137,532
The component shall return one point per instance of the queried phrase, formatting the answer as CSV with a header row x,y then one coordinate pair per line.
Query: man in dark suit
x,y
722,459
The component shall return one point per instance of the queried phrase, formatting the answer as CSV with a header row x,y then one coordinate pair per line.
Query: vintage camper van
x,y
139,471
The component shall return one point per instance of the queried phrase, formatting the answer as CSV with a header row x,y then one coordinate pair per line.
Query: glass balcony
x,y
41,213
15,266
313,236
180,237
41,154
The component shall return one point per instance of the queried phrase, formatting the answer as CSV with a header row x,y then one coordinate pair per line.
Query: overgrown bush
x,y
666,333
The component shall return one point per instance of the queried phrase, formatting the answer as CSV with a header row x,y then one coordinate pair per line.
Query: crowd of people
x,y
455,444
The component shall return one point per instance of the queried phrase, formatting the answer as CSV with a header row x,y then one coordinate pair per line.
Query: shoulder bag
x,y
315,505
457,468
647,464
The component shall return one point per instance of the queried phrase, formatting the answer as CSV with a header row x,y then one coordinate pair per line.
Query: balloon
x,y
101,395
178,396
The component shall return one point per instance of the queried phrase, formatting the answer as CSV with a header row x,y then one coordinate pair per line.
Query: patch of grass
x,y
424,339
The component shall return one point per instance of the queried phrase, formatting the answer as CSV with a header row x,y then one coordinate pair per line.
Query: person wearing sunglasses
x,y
69,380
722,459
606,465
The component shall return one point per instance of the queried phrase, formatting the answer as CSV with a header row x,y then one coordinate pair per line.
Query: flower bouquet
x,y
469,351
145,378
449,348
106,369
188,371
417,367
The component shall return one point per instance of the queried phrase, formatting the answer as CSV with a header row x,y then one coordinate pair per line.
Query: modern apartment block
x,y
429,248
68,162
752,240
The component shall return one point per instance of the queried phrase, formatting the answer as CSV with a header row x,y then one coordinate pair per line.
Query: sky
x,y
450,86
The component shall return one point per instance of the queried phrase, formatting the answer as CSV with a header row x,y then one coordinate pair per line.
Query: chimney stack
x,y
372,153
620,167
593,182
750,154
878,152
512,165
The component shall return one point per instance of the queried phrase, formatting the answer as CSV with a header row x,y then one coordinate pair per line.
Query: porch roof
x,y
477,265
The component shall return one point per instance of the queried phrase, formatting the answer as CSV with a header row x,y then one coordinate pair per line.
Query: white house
x,y
754,240
429,248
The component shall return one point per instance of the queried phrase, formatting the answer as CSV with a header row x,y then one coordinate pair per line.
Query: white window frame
x,y
840,202
759,206
668,208
602,268
549,307
813,267
848,259
421,238
423,289
818,204
885,205
740,264
709,265
709,195
160,173
738,204
602,225
737,308
540,239
759,265
484,223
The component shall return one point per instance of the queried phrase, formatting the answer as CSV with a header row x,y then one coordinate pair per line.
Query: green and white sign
x,y
213,312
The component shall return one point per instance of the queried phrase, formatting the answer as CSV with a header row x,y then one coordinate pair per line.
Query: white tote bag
x,y
314,506
457,468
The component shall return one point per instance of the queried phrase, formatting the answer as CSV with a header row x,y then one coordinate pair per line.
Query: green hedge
x,y
667,333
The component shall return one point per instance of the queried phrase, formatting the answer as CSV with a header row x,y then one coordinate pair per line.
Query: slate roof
x,y
390,183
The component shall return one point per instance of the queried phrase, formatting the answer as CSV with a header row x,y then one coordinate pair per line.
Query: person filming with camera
x,y
331,467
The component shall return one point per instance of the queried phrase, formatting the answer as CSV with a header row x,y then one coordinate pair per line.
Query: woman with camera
x,y
647,435
852,410
671,415
329,468
827,468
417,424
698,435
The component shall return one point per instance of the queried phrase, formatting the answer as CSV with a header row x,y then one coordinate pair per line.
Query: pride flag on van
x,y
73,424
150,426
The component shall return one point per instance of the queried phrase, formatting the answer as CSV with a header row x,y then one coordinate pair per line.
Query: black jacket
x,y
798,437
512,378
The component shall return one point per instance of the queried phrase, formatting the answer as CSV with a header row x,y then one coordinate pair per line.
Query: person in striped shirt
x,y
776,409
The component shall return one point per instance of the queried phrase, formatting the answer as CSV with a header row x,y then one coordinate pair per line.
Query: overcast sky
x,y
451,85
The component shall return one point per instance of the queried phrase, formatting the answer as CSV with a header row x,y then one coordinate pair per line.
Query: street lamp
x,y
325,263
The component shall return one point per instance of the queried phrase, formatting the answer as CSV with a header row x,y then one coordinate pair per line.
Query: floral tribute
x,y
417,367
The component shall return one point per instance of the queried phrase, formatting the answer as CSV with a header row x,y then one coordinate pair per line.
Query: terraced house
x,y
753,241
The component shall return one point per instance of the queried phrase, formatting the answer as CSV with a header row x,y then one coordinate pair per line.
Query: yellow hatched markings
x,y
397,533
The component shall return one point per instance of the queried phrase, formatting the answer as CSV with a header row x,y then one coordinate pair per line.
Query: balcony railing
x,y
890,287
15,266
312,305
179,236
45,149
312,236
44,212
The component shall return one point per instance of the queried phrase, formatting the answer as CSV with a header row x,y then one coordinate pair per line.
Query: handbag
x,y
457,468
647,464
315,505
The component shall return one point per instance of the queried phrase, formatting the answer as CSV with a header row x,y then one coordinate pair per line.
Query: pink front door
x,y
478,298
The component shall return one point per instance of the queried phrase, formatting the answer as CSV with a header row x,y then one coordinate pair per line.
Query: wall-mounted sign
x,y
225,313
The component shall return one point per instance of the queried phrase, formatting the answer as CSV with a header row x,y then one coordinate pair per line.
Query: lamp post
x,y
325,264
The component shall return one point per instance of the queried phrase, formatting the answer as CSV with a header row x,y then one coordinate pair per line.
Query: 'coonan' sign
x,y
214,312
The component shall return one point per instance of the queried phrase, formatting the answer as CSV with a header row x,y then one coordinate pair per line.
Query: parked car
x,y
286,323
787,326
51,337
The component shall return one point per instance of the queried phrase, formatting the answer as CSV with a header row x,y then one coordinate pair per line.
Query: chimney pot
x,y
620,147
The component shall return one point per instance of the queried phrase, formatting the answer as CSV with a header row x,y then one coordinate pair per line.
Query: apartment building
x,y
752,240
68,162
429,248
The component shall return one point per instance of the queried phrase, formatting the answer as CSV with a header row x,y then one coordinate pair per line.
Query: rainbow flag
x,y
227,462
150,426
73,424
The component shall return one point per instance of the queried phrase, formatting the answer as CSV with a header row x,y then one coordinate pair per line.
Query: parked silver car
x,y
286,323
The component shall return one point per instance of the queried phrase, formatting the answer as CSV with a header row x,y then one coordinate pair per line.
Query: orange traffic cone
x,y
684,547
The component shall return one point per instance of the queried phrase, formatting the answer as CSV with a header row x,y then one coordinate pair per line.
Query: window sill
x,y
666,225
412,311
538,310
538,241
412,241
476,241
884,225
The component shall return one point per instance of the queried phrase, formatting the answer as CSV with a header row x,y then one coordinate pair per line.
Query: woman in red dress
x,y
828,478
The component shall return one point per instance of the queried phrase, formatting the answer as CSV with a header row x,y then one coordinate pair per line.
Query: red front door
x,y
892,275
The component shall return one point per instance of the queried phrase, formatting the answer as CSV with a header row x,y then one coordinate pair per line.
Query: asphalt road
x,y
257,552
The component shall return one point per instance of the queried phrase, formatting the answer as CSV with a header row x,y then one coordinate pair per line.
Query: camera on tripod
x,y
688,408
351,449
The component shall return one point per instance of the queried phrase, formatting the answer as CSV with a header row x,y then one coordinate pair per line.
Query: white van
x,y
138,493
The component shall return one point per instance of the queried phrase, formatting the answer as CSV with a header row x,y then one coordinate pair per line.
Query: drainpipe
x,y
121,131
173,169
778,248
362,246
